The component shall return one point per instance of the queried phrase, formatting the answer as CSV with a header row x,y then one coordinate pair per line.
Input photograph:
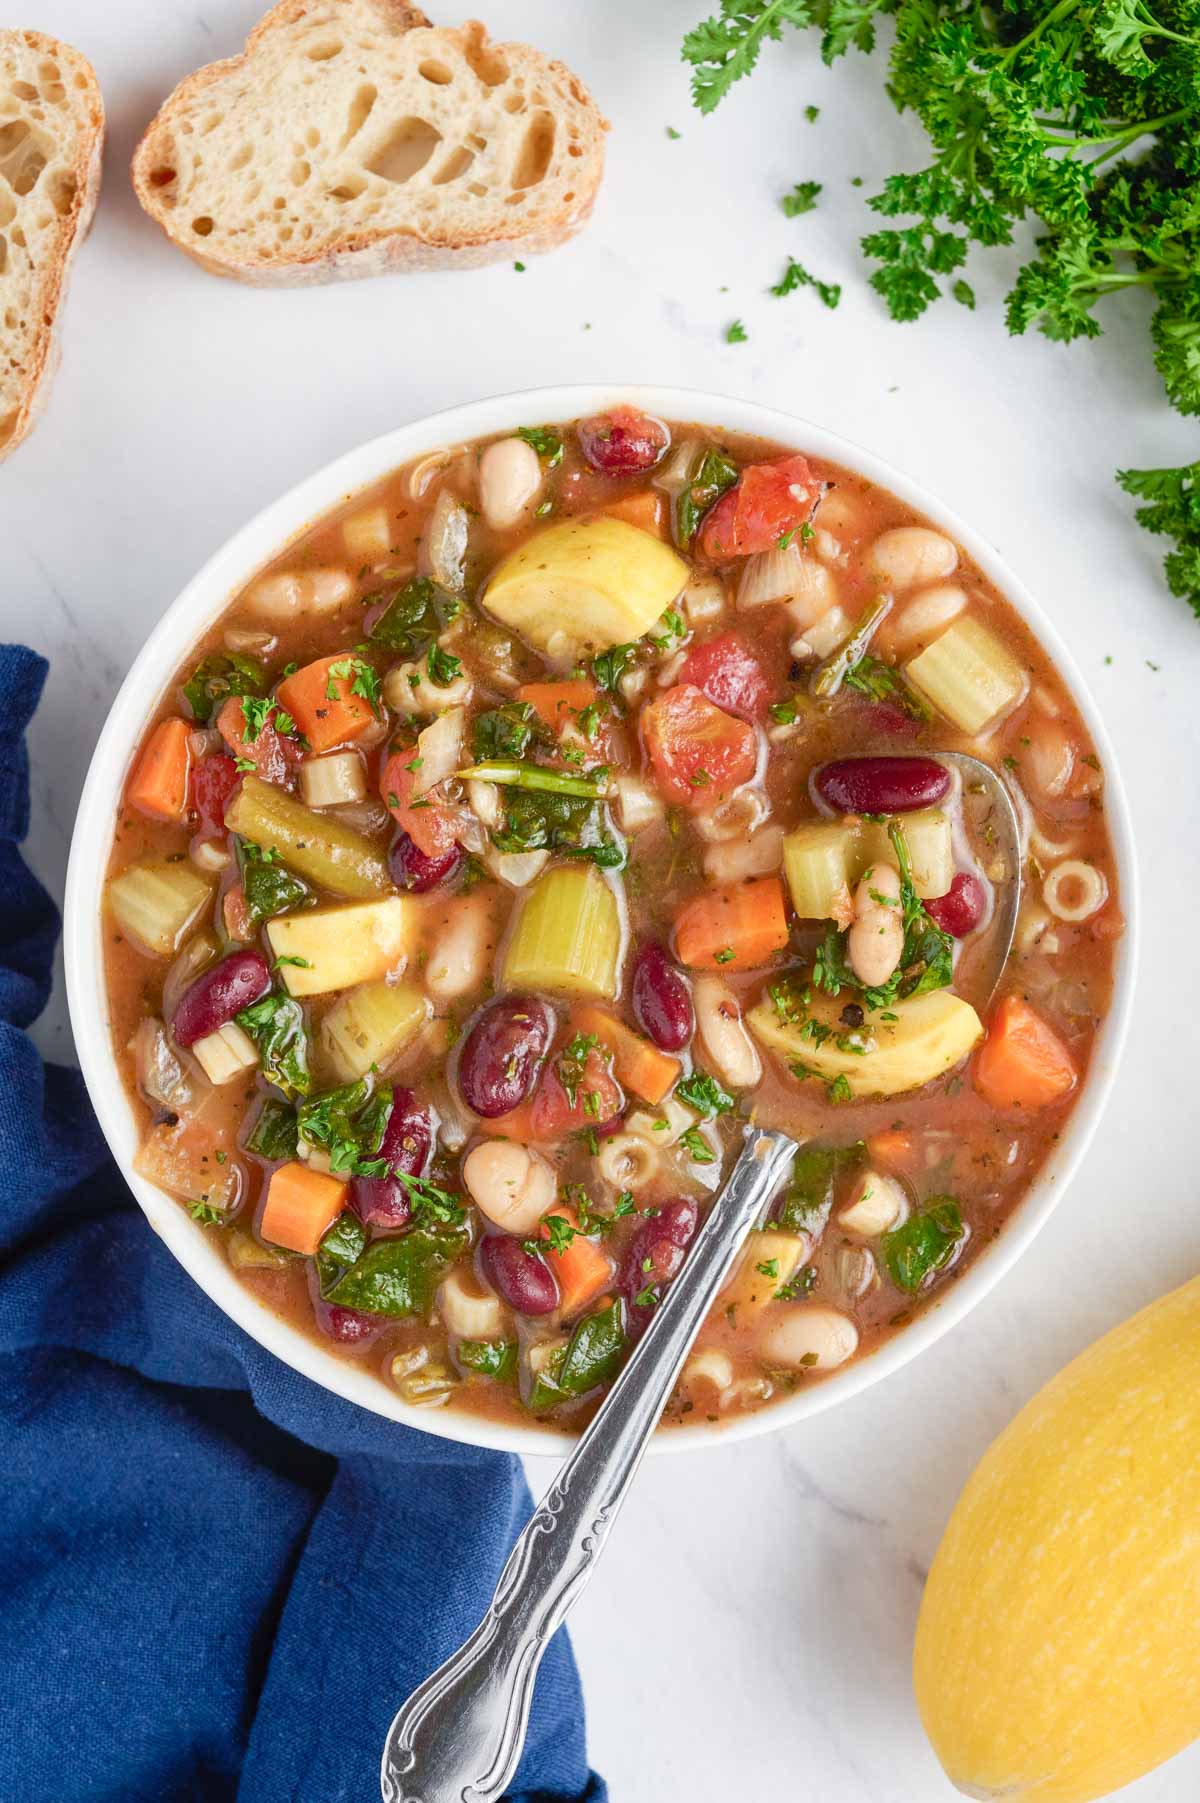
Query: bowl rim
x,y
205,597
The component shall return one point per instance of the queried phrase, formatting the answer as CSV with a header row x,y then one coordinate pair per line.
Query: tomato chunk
x,y
213,782
276,756
597,1098
727,671
698,751
768,501
430,827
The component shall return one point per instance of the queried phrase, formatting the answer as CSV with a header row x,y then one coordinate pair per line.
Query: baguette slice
x,y
352,138
51,144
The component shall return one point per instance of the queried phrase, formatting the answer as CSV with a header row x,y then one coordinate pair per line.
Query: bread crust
x,y
389,249
54,280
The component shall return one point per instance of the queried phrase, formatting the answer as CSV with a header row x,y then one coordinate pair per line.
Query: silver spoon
x,y
990,804
459,1736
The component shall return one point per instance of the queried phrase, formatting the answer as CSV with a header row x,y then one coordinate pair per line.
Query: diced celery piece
x,y
335,948
370,1026
225,1054
316,846
568,935
906,1045
769,1261
155,901
819,862
930,848
968,675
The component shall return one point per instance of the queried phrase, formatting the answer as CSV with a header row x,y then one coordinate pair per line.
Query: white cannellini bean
x,y
840,512
468,1311
733,859
730,1049
877,1205
638,805
409,689
627,1161
1074,891
907,556
877,935
819,1338
368,535
461,956
512,1185
927,615
1048,761
828,632
292,594
510,475
816,592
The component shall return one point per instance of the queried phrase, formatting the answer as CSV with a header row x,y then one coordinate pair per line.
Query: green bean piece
x,y
829,675
323,850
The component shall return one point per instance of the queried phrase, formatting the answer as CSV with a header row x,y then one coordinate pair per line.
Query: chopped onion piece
x,y
444,546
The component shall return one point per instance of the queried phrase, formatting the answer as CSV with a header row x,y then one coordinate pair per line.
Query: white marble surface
x,y
750,1635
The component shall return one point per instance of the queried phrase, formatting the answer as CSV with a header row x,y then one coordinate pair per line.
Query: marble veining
x,y
750,1634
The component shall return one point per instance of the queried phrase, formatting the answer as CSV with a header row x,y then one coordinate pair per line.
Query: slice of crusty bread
x,y
351,137
51,143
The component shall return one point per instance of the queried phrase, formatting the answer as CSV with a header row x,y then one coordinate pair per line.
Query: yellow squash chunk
x,y
1058,1644
370,1026
584,585
930,845
567,936
968,675
339,947
769,1261
929,1036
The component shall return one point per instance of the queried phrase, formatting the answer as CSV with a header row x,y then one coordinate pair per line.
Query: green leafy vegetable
x,y
926,960
412,616
1172,509
218,676
273,1135
349,1122
714,474
924,1243
342,1245
504,734
802,199
276,1025
592,1356
269,886
399,1277
735,332
816,1170
443,667
490,1358
796,276
727,47
879,681
545,441
704,1094
609,666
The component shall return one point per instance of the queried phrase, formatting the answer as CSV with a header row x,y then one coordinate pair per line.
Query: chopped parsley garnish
x,y
802,199
796,276
704,1094
735,332
545,441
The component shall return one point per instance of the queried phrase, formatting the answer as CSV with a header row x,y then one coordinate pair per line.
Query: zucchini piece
x,y
370,1026
335,948
155,901
567,936
820,861
585,585
925,1036
968,675
930,848
325,851
769,1261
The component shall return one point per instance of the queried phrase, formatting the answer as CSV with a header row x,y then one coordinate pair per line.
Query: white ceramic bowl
x,y
207,595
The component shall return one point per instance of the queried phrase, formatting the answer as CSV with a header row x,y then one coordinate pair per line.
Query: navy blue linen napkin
x,y
216,1580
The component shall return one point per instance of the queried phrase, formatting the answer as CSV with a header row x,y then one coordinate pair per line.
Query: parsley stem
x,y
534,776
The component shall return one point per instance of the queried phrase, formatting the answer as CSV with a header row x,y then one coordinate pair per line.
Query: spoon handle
x,y
459,1736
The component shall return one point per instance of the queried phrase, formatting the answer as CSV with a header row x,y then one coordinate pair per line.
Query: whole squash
x,y
1057,1652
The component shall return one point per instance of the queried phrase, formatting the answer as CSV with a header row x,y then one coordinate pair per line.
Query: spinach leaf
x,y
218,676
591,1356
506,732
399,1276
714,475
350,1123
924,1243
926,961
276,1025
413,617
491,1358
269,886
273,1135
342,1245
609,667
535,820
808,1199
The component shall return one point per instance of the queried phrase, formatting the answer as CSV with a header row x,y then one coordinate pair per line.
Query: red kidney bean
x,y
522,1279
348,1326
622,441
412,870
407,1143
654,1255
963,906
882,785
502,1054
213,781
662,1002
218,994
